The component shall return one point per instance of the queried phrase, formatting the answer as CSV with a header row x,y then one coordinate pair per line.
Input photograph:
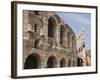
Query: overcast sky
x,y
76,21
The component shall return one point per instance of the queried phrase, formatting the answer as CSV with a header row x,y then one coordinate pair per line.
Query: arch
x,y
63,63
32,62
80,61
69,63
51,63
51,24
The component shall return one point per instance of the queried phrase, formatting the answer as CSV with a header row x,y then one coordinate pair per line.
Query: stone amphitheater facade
x,y
47,41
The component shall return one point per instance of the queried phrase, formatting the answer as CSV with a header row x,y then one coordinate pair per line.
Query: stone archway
x,y
52,23
32,62
63,63
51,63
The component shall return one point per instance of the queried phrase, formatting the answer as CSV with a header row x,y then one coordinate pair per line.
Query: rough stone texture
x,y
46,36
88,57
81,50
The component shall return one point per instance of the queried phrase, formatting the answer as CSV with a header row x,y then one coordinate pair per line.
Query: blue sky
x,y
76,21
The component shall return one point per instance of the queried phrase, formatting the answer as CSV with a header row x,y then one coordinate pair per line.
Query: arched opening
x,y
51,25
32,62
63,63
69,63
80,61
51,63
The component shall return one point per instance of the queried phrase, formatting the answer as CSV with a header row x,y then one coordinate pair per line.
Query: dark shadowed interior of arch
x,y
31,62
80,61
51,24
63,63
51,63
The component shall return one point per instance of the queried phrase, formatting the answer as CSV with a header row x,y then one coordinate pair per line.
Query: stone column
x,y
56,34
64,40
26,23
45,26
74,45
58,62
70,41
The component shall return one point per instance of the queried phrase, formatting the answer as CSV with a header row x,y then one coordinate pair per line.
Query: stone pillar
x,y
66,37
64,40
26,23
76,63
74,45
69,63
45,26
70,41
58,34
56,31
57,63
42,64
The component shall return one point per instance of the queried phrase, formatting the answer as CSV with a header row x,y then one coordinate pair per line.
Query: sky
x,y
77,21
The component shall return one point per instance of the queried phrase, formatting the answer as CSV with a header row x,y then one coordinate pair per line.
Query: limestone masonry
x,y
49,43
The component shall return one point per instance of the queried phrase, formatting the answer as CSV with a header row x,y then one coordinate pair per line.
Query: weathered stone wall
x,y
88,58
46,36
81,50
